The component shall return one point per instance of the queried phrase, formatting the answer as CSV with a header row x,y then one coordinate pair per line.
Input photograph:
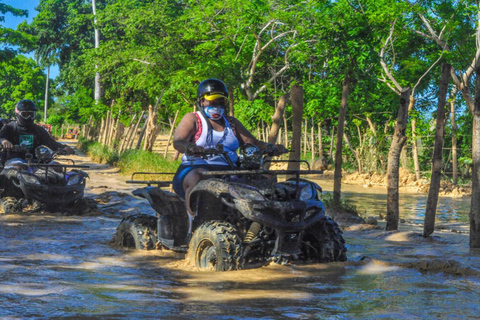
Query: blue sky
x,y
12,21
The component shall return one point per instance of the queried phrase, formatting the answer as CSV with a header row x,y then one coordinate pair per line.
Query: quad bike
x,y
53,185
242,217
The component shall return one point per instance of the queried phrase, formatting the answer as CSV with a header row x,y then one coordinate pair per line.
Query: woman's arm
x,y
249,138
184,134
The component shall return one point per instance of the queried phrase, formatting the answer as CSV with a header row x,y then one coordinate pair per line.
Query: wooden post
x,y
332,137
130,144
106,129
89,125
172,128
305,139
312,141
127,134
102,126
285,126
320,142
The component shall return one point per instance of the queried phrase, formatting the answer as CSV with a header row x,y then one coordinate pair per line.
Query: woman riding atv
x,y
205,129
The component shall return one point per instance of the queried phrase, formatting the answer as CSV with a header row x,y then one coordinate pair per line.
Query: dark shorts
x,y
183,170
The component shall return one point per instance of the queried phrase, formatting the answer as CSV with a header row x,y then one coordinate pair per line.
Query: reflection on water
x,y
373,202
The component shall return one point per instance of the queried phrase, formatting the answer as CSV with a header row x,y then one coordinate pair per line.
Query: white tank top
x,y
209,138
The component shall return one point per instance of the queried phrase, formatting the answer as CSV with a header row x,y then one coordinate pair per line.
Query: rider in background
x,y
205,129
24,133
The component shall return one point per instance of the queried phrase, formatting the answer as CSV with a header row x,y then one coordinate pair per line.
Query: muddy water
x,y
372,202
63,266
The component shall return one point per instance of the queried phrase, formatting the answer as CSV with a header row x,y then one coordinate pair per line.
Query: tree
x,y
437,153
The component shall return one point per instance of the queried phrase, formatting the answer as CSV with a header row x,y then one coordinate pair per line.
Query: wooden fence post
x,y
172,128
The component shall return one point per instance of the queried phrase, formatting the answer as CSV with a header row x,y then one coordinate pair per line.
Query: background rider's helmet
x,y
25,112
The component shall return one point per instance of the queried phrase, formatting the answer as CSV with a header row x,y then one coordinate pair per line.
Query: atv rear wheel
x,y
215,246
137,232
323,242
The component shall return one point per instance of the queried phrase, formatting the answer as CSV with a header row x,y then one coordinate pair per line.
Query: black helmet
x,y
26,105
212,89
25,112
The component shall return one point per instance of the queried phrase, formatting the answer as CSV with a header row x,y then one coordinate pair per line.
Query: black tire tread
x,y
141,227
330,240
226,235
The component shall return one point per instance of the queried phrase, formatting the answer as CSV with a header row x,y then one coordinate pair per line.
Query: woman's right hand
x,y
194,150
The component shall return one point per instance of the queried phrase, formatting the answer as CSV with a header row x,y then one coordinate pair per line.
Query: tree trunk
x,y
337,176
285,129
398,140
231,108
332,137
297,108
277,119
46,95
475,202
98,80
432,200
355,153
416,163
454,141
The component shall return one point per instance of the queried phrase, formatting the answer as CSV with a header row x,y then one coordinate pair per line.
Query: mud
x,y
54,265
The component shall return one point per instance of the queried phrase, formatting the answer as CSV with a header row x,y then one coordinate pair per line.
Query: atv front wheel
x,y
215,246
137,232
323,242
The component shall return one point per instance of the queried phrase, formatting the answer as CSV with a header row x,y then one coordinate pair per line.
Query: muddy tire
x,y
324,243
215,246
137,232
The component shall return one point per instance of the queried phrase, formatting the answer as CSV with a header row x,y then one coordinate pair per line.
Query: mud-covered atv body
x,y
242,218
54,185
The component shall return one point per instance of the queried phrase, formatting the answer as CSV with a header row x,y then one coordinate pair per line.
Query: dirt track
x,y
63,266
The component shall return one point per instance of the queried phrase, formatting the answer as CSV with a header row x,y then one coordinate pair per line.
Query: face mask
x,y
24,122
214,113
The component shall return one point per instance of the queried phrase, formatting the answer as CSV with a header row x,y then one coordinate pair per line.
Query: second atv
x,y
243,217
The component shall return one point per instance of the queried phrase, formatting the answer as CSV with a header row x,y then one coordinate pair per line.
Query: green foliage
x,y
139,160
20,78
131,160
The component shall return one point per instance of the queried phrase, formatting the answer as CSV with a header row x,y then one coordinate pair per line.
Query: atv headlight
x,y
307,192
245,193
28,178
74,179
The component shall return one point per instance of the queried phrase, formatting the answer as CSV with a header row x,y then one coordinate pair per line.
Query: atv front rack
x,y
159,183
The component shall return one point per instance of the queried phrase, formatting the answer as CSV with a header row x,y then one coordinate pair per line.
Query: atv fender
x,y
163,202
215,187
172,222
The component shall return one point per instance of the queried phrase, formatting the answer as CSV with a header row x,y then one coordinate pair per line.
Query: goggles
x,y
27,114
211,96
